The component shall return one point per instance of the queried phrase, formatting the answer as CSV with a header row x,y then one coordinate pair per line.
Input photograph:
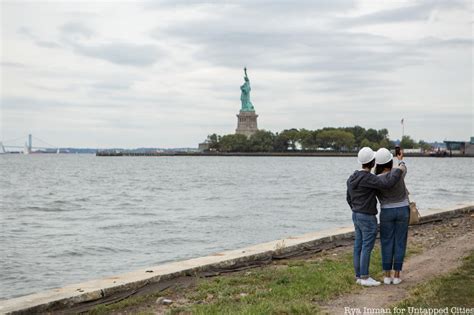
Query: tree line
x,y
345,139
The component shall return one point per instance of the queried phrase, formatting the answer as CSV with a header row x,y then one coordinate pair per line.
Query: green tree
x,y
372,135
281,142
407,143
305,138
337,139
292,135
424,145
261,141
234,143
213,141
359,135
310,140
366,143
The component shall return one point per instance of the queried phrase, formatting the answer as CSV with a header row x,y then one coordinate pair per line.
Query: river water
x,y
70,218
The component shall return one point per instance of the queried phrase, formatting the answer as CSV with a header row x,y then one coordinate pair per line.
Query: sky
x,y
168,73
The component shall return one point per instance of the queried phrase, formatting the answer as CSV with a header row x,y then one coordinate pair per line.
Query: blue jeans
x,y
393,236
365,233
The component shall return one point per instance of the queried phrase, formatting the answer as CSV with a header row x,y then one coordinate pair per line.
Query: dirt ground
x,y
444,244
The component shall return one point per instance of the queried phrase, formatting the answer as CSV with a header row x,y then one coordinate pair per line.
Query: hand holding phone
x,y
399,152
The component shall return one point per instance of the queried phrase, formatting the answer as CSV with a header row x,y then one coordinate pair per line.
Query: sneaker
x,y
397,280
369,282
387,280
358,280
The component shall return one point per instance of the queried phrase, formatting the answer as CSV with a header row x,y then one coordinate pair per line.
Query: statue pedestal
x,y
246,123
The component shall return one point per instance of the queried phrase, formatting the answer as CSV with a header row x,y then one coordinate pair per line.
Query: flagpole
x,y
403,127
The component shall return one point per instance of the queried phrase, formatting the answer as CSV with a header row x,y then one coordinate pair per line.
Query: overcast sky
x,y
167,73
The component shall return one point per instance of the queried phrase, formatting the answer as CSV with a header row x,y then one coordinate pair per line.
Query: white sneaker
x,y
397,280
369,282
387,280
358,281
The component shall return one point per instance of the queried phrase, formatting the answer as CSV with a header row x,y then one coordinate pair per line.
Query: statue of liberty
x,y
245,96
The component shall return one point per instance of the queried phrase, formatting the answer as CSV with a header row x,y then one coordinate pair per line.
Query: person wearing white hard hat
x,y
361,191
394,217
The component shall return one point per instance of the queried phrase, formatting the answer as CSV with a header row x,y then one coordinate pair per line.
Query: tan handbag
x,y
414,213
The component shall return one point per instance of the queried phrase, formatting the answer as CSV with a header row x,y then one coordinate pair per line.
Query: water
x,y
70,218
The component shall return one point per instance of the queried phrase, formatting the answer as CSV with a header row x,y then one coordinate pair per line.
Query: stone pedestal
x,y
246,123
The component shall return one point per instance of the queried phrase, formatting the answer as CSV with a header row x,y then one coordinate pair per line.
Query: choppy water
x,y
70,218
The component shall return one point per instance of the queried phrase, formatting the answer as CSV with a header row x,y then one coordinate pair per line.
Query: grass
x,y
453,290
295,286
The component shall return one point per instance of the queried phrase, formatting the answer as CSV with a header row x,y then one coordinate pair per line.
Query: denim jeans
x,y
393,236
365,234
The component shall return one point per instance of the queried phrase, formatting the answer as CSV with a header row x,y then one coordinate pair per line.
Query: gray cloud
x,y
28,33
306,50
76,28
120,53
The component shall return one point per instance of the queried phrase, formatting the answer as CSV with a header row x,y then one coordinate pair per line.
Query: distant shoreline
x,y
261,154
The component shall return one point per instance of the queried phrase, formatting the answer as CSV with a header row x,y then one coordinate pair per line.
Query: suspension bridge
x,y
18,146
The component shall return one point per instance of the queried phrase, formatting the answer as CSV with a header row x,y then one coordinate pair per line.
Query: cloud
x,y
27,33
12,64
120,53
298,49
420,11
275,7
76,28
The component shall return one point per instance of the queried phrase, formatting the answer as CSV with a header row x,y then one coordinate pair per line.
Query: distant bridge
x,y
7,146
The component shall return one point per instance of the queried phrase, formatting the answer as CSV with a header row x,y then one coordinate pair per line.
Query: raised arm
x,y
383,182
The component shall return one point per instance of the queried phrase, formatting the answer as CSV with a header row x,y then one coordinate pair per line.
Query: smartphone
x,y
397,150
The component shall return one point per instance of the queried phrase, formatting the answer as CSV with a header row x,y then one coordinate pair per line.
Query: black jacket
x,y
362,186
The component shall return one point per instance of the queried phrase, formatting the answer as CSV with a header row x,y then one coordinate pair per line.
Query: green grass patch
x,y
295,286
453,290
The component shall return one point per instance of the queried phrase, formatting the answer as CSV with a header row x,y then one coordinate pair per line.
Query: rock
x,y
455,224
163,301
167,302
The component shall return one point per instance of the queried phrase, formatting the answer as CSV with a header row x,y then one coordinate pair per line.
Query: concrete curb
x,y
85,295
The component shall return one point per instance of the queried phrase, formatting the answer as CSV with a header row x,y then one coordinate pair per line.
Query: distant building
x,y
460,147
203,146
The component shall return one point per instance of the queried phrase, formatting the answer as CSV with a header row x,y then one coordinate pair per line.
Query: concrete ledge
x,y
87,294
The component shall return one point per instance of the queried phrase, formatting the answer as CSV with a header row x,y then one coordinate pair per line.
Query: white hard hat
x,y
383,156
365,155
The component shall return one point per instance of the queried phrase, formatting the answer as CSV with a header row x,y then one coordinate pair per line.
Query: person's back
x,y
397,196
394,216
362,187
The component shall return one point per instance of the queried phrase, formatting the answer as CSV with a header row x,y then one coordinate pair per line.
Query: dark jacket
x,y
362,187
